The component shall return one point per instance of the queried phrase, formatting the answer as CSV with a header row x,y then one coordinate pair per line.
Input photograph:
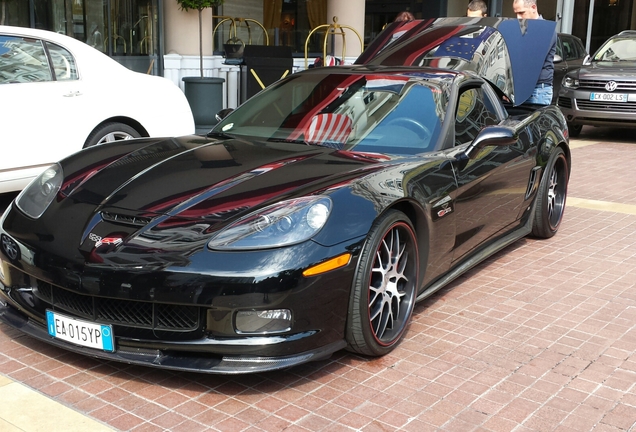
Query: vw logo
x,y
10,248
611,86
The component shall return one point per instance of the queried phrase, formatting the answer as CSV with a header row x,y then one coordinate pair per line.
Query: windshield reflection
x,y
374,113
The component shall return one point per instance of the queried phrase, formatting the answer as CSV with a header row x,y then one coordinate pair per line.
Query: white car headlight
x,y
39,194
282,224
570,82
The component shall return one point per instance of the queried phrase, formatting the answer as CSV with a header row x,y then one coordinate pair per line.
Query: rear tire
x,y
550,204
384,288
110,132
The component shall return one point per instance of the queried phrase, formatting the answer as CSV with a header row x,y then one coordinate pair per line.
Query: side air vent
x,y
532,182
125,219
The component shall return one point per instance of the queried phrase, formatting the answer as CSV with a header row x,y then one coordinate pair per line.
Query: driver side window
x,y
474,112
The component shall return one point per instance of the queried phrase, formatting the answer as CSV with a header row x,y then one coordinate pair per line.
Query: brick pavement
x,y
540,337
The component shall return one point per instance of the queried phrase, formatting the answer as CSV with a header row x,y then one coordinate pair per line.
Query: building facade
x,y
156,36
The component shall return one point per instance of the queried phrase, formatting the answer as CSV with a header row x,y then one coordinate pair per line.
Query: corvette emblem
x,y
105,240
611,86
444,211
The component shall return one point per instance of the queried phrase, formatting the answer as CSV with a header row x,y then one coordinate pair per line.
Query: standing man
x,y
477,9
542,95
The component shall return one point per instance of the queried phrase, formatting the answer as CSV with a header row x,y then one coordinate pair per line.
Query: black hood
x,y
204,178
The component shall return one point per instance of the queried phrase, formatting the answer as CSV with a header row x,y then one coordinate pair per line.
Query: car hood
x,y
506,51
197,178
624,71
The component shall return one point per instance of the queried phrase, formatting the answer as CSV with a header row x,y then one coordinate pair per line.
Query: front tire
x,y
574,130
384,288
551,197
109,132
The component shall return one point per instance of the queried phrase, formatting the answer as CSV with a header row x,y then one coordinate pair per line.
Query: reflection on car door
x,y
492,186
40,103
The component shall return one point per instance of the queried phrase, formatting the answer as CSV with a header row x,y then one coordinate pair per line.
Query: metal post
x,y
495,8
590,18
567,17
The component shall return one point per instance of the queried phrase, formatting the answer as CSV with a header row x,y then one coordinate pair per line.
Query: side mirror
x,y
498,136
223,113
587,60
557,58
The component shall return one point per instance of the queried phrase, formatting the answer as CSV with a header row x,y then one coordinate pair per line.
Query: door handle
x,y
73,93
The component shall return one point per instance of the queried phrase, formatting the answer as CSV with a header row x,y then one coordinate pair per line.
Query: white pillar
x,y
567,17
349,13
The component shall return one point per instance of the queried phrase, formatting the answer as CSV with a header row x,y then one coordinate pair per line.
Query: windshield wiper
x,y
217,134
287,140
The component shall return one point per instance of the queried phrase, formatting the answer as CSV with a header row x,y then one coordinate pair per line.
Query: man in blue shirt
x,y
542,95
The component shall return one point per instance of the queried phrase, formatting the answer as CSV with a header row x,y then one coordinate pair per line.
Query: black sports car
x,y
309,220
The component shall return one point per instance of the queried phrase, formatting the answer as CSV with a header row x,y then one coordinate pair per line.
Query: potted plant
x,y
205,94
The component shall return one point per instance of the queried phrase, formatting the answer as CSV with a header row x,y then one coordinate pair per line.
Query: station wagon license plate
x,y
80,332
608,97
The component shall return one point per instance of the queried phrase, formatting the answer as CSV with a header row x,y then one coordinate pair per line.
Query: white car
x,y
59,95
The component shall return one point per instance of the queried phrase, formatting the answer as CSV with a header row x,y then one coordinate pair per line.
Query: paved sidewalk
x,y
540,337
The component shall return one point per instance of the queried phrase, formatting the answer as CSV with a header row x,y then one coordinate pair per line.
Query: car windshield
x,y
617,49
372,113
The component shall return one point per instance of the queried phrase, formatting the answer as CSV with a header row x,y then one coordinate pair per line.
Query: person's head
x,y
477,9
525,9
404,16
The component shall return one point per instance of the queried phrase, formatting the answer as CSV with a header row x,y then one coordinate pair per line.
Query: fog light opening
x,y
263,321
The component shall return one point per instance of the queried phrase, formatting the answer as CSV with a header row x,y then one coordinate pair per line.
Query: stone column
x,y
349,13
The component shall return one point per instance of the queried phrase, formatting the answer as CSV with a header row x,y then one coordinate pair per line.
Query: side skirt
x,y
478,257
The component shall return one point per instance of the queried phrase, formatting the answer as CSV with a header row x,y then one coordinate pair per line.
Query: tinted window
x,y
22,60
474,112
570,51
63,63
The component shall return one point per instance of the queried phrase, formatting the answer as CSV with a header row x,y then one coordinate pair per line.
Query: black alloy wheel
x,y
551,197
384,289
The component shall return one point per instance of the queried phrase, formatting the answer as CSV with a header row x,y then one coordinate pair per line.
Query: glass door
x,y
126,30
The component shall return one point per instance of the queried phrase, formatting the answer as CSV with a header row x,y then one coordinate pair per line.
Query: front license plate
x,y
80,332
608,97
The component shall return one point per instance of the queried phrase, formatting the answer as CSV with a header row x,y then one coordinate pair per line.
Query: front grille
x,y
622,86
128,313
564,102
622,107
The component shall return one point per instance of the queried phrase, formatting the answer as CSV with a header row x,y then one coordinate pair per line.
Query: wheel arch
x,y
417,216
120,119
568,155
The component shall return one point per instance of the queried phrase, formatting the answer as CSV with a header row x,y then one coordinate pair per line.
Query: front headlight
x,y
282,224
570,82
37,196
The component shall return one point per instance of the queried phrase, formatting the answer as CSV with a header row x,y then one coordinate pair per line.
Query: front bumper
x,y
32,282
171,359
579,110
